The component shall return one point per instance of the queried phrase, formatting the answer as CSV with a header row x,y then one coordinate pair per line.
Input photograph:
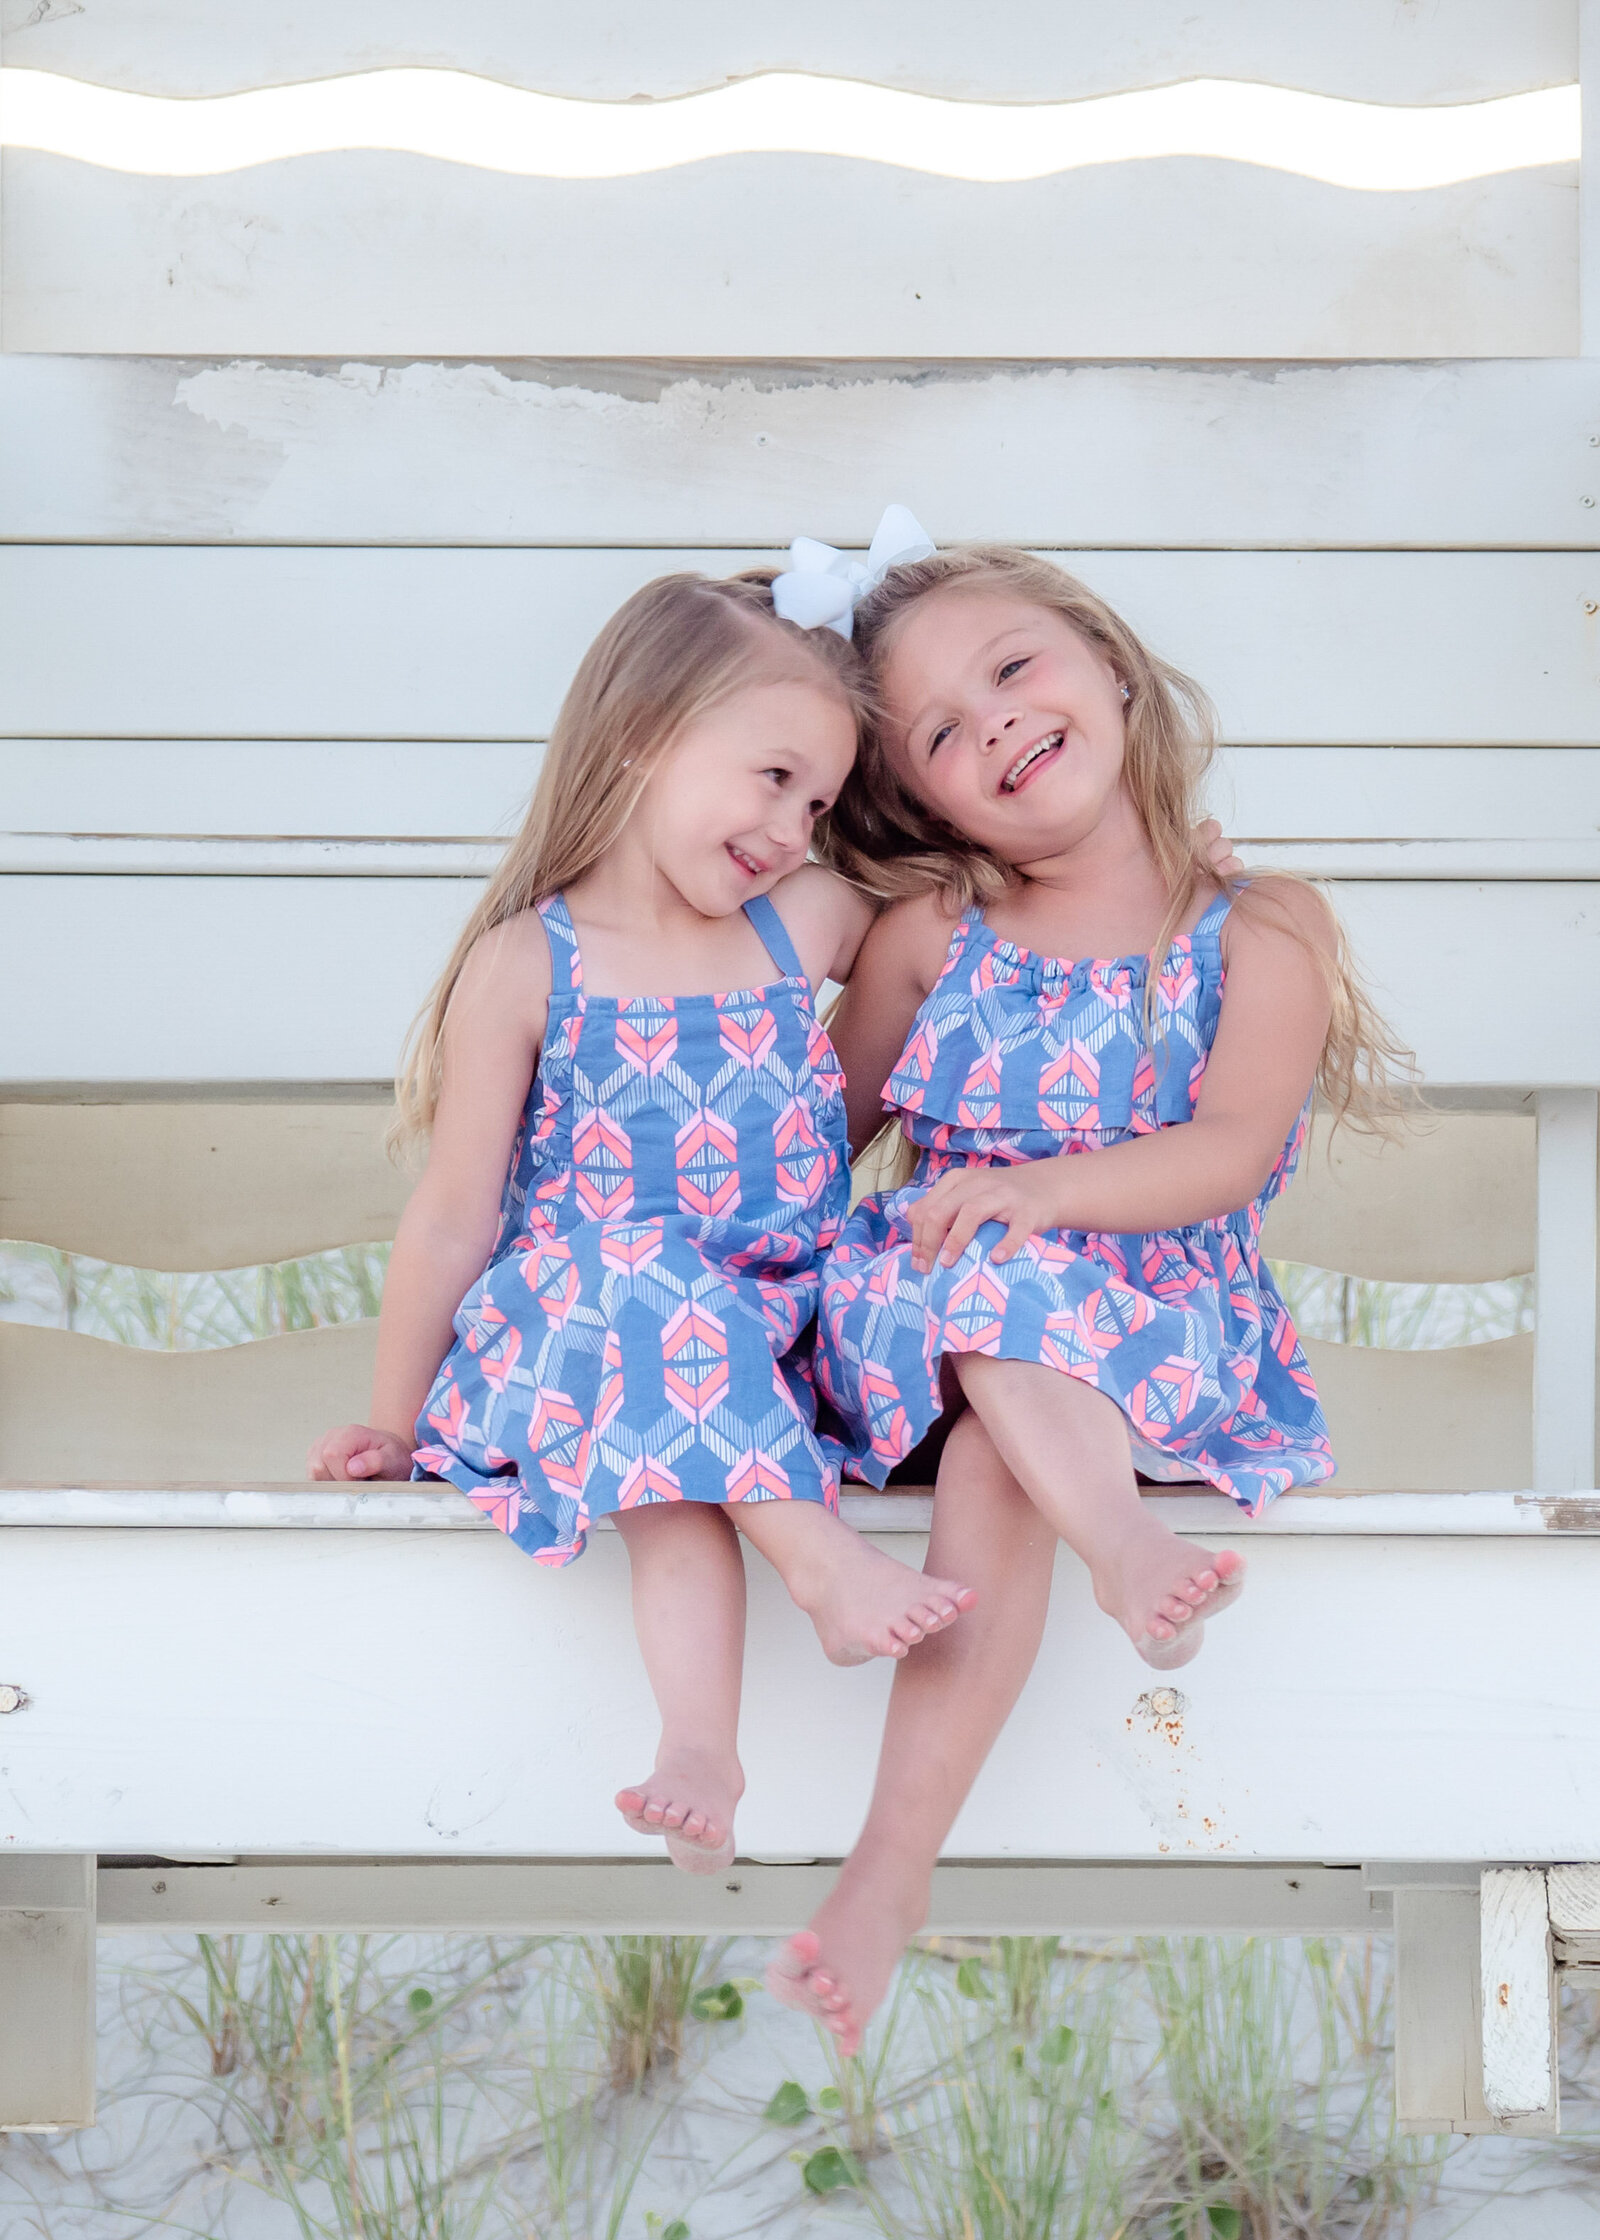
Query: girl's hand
x,y
356,1450
1027,1198
1218,849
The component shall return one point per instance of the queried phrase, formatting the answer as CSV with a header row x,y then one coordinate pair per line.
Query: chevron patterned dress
x,y
1017,1056
681,1166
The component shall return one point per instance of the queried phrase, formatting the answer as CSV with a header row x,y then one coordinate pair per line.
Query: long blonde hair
x,y
882,836
670,654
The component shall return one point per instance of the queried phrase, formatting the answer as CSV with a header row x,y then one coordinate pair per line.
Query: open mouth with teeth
x,y
746,863
1031,760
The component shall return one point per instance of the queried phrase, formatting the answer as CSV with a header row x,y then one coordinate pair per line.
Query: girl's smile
x,y
990,697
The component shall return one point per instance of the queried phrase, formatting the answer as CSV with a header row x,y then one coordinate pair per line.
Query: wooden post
x,y
1589,181
1521,2074
1564,1348
1438,2035
47,2018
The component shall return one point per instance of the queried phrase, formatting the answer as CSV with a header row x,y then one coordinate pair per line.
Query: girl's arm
x,y
491,1047
899,961
1277,943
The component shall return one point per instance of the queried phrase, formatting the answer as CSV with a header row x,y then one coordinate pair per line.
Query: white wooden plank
x,y
198,979
1588,27
546,1897
1521,2077
230,1506
1518,812
47,1993
112,642
644,453
622,48
181,1705
169,980
303,789
371,253
1564,1365
93,854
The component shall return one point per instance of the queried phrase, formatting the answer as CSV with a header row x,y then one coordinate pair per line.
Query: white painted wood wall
x,y
315,477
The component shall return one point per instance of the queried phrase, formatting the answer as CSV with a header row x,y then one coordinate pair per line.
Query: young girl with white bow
x,y
600,1287
1103,1058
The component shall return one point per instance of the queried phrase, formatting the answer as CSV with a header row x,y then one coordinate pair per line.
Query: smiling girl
x,y
599,1290
1104,1061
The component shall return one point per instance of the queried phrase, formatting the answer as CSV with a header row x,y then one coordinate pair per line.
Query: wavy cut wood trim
x,y
80,1411
192,1186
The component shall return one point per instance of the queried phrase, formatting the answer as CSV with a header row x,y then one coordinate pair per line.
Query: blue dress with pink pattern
x,y
1017,1056
681,1165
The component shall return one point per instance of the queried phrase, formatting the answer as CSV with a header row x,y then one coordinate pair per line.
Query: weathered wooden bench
x,y
283,638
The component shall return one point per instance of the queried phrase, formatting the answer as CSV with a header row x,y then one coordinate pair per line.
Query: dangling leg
x,y
1068,1445
950,1699
862,1602
688,1613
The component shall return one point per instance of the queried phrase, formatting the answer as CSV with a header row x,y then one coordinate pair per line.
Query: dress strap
x,y
566,966
1212,916
773,934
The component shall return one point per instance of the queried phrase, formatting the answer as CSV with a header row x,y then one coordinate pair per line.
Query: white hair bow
x,y
821,586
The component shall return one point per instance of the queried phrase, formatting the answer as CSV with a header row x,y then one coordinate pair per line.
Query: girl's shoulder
x,y
508,970
912,938
826,919
1276,906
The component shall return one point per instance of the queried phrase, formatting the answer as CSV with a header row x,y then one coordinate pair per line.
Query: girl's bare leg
x,y
862,1602
1068,1446
950,1700
688,1613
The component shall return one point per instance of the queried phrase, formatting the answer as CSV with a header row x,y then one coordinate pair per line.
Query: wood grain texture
x,y
164,642
86,1412
1438,2013
81,1408
1460,1417
644,452
190,1695
1521,2077
619,49
189,1186
378,254
1451,1202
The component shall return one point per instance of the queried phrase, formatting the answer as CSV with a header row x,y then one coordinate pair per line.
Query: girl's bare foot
x,y
866,1604
688,1800
1161,1589
838,1970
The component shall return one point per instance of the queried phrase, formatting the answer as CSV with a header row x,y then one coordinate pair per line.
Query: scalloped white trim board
x,y
1046,50
376,254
